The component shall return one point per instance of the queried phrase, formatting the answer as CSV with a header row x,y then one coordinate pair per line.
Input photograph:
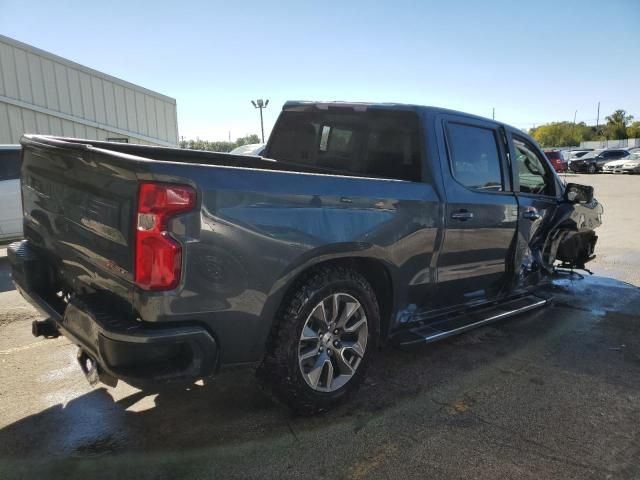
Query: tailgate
x,y
79,207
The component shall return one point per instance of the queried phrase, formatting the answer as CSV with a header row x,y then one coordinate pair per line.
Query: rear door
x,y
480,213
10,204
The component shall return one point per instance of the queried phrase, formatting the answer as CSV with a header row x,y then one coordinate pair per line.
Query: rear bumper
x,y
134,351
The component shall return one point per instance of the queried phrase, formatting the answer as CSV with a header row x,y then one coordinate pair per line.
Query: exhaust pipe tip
x,y
93,371
45,328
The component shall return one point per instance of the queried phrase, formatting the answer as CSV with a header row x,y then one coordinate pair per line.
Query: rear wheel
x,y
592,168
320,349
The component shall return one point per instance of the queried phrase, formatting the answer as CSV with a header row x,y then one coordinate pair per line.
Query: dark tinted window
x,y
475,160
9,164
372,143
614,154
533,173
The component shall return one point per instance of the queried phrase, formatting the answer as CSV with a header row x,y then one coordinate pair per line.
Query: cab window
x,y
533,172
373,143
474,157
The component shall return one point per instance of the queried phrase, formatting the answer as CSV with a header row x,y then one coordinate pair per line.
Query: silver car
x,y
252,149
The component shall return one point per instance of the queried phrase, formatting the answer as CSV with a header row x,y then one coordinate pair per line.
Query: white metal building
x,y
43,93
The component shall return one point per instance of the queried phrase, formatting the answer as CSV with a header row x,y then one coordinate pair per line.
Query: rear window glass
x,y
474,157
9,164
553,155
372,143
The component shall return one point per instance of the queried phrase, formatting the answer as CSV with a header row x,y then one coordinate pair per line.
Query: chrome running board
x,y
439,329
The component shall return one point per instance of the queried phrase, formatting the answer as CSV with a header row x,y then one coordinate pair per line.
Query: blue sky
x,y
534,62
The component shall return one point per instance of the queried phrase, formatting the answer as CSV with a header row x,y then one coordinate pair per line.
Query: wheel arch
x,y
375,270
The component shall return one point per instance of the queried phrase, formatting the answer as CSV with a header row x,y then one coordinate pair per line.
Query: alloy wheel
x,y
333,342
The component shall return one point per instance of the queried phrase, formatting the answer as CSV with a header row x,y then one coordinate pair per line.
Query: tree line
x,y
198,144
619,125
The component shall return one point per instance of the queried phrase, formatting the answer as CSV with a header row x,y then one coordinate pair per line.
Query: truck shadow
x,y
232,409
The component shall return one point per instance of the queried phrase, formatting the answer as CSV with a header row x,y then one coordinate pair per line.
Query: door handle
x,y
531,215
462,215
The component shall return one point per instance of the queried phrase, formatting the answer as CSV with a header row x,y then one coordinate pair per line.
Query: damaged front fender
x,y
572,238
564,232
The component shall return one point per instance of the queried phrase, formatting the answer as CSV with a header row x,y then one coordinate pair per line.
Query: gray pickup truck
x,y
361,225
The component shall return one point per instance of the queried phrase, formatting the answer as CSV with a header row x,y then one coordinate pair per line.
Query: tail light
x,y
158,257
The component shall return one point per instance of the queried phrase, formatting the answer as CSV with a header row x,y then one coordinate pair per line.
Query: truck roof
x,y
305,105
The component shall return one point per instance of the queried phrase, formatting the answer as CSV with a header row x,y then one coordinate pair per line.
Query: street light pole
x,y
260,104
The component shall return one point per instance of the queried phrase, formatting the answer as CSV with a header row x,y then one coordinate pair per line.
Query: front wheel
x,y
592,169
321,346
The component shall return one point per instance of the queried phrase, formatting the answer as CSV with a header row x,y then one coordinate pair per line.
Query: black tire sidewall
x,y
359,294
284,370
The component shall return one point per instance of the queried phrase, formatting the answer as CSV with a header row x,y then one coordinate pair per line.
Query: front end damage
x,y
564,238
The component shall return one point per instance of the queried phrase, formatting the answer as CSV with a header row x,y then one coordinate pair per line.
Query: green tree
x,y
562,134
633,130
616,127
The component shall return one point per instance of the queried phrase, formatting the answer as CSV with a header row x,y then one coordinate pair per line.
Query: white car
x,y
615,166
10,198
252,149
632,164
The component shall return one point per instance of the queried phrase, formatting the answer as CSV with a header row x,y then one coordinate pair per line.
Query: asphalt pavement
x,y
550,394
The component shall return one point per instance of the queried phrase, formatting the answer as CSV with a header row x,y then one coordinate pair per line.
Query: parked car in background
x,y
253,149
10,202
632,165
595,161
557,160
575,154
615,166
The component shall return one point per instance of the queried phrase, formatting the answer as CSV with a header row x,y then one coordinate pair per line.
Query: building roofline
x,y
77,66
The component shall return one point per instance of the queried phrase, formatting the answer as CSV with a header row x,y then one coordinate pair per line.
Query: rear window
x,y
372,143
553,155
474,157
9,164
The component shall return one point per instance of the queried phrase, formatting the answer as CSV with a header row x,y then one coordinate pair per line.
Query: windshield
x,y
593,154
251,149
578,154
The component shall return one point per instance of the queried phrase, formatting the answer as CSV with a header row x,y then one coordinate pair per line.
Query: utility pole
x,y
574,117
260,104
493,115
598,119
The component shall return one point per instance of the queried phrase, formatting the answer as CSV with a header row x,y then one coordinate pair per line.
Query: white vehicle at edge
x,y
615,166
10,198
632,165
253,149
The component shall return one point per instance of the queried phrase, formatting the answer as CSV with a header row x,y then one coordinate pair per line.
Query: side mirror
x,y
576,193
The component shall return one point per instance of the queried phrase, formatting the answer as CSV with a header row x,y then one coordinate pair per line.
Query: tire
x,y
592,169
295,381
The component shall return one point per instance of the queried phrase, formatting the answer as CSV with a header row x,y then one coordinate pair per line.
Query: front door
x,y
480,214
538,191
